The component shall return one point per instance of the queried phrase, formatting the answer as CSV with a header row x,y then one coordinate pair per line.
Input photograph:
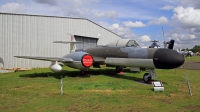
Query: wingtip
x,y
56,41
18,56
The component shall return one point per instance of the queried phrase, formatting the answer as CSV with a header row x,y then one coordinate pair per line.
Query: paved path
x,y
191,65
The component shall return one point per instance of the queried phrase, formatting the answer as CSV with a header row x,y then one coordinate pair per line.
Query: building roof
x,y
59,17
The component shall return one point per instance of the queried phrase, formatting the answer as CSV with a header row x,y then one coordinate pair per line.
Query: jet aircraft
x,y
154,44
120,53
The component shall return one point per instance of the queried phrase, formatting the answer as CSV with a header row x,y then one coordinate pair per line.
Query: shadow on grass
x,y
93,72
56,75
111,73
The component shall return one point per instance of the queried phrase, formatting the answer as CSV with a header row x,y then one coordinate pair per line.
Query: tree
x,y
182,49
196,48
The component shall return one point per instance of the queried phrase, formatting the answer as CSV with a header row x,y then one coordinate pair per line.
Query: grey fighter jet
x,y
154,44
120,53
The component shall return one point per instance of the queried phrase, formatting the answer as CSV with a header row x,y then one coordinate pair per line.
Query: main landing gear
x,y
148,76
118,69
85,73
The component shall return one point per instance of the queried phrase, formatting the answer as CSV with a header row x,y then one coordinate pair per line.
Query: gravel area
x,y
191,65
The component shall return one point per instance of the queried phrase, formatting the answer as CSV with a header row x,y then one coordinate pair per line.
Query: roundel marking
x,y
87,60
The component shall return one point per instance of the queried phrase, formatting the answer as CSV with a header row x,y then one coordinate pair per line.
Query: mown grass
x,y
193,58
39,90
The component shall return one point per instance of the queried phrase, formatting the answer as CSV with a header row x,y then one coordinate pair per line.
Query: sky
x,y
141,20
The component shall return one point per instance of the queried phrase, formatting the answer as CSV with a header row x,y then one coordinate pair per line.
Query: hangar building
x,y
33,35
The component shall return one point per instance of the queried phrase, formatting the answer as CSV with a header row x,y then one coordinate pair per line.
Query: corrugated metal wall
x,y
29,35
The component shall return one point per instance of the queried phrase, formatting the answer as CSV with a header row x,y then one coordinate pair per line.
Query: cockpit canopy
x,y
124,43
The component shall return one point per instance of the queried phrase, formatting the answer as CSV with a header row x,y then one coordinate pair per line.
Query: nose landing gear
x,y
148,76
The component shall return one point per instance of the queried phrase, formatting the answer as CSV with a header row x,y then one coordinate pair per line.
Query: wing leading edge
x,y
65,60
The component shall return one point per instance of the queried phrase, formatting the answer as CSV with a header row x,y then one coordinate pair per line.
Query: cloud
x,y
181,38
115,25
84,9
78,13
135,24
69,8
118,29
48,2
196,4
167,7
145,38
191,3
13,8
156,21
43,9
159,21
187,17
126,32
184,37
105,14
197,30
80,3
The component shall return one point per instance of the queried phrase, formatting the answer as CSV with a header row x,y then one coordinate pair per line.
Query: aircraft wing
x,y
66,60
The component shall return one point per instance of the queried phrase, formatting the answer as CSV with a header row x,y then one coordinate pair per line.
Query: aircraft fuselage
x,y
136,56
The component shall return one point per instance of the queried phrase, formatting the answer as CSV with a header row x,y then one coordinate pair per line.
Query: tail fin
x,y
72,44
171,44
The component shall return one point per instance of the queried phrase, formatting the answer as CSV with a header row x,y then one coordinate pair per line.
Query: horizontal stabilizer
x,y
67,42
66,60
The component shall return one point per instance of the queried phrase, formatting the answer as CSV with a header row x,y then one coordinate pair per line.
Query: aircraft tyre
x,y
118,69
147,78
85,73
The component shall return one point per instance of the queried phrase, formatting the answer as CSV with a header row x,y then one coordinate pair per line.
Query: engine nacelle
x,y
55,67
81,60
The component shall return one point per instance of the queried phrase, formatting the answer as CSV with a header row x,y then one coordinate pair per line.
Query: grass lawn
x,y
39,90
193,58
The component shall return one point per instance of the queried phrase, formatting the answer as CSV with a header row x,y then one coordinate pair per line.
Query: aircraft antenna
x,y
163,34
165,43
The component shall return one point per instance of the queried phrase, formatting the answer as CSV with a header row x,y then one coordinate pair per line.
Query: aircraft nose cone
x,y
167,59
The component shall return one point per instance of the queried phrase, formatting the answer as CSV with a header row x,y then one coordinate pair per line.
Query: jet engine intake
x,y
81,60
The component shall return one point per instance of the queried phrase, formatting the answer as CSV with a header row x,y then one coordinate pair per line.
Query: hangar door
x,y
90,42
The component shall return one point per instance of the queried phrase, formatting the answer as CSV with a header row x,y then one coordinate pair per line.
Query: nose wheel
x,y
147,77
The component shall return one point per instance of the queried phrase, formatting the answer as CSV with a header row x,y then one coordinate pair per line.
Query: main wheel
x,y
85,73
118,69
147,78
